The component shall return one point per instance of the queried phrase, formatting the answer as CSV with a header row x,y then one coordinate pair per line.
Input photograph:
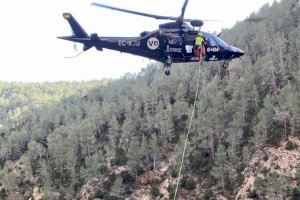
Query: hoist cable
x,y
75,55
188,132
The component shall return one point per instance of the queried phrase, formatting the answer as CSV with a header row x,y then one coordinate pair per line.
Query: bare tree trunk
x,y
154,159
285,128
88,150
223,181
273,82
211,144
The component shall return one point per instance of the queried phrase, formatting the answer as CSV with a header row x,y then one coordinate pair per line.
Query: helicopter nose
x,y
237,52
240,52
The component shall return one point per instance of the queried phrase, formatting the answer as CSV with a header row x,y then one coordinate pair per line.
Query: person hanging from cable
x,y
199,47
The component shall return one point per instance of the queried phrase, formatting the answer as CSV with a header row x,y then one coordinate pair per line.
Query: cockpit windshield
x,y
214,40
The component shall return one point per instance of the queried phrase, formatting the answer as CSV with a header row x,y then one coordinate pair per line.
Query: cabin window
x,y
189,48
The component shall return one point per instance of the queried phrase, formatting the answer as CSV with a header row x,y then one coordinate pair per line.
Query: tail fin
x,y
76,28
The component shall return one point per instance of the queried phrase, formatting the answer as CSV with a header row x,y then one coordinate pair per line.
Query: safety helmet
x,y
200,34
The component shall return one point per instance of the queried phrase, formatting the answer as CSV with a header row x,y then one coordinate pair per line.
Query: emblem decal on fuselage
x,y
153,43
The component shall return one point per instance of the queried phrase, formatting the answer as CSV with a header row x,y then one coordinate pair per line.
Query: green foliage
x,y
140,171
272,186
208,194
117,190
275,136
200,161
120,157
171,190
3,194
134,155
291,145
265,157
252,194
296,193
154,189
99,193
264,171
153,150
127,177
93,165
174,173
187,183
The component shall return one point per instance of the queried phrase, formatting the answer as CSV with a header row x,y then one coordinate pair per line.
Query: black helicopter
x,y
173,42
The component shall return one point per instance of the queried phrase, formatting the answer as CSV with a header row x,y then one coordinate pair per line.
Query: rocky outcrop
x,y
280,160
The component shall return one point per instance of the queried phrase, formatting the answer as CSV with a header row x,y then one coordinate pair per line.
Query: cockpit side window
x,y
220,42
213,40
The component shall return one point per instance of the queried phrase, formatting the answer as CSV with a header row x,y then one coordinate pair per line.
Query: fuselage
x,y
165,43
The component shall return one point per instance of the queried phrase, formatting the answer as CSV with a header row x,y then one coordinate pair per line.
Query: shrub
x,y
3,194
108,183
208,194
174,173
77,184
201,161
277,167
211,180
35,166
275,136
296,194
183,181
127,190
140,171
19,181
154,190
120,157
264,171
187,183
99,194
190,184
171,190
291,146
252,194
265,157
127,177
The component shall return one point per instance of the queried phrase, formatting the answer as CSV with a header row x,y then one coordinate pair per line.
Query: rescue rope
x,y
187,135
75,55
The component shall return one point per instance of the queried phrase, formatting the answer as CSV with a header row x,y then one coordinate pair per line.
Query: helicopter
x,y
173,42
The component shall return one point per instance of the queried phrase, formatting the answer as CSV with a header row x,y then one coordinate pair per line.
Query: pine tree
x,y
93,165
282,110
220,166
117,190
134,155
179,150
114,128
144,149
153,150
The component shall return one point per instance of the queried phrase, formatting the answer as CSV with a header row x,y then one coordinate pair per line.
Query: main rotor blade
x,y
183,9
204,20
134,12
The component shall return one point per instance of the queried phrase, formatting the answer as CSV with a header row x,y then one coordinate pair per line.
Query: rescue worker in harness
x,y
199,47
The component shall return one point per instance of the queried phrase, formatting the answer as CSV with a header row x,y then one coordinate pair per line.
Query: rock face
x,y
280,160
271,159
89,189
36,194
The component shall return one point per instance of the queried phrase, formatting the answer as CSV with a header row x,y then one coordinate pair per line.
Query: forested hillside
x,y
124,138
